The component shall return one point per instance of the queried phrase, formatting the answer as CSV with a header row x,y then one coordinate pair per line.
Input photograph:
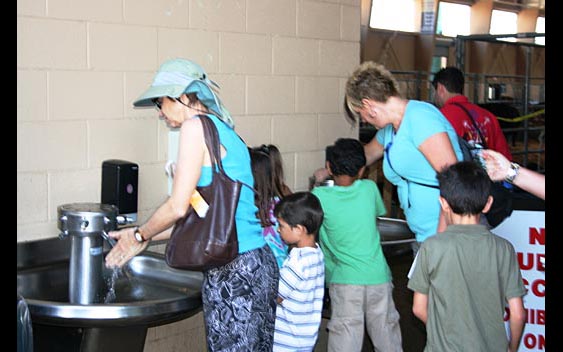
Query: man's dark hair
x,y
466,186
301,208
346,157
451,77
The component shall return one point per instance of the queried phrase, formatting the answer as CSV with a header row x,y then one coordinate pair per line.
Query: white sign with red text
x,y
526,231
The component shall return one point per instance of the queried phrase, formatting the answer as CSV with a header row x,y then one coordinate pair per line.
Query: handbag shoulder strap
x,y
474,124
214,146
212,142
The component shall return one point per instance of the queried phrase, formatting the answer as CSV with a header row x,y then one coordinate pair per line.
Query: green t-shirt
x,y
349,237
468,274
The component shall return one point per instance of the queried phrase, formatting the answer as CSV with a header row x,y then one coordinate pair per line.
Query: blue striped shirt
x,y
301,286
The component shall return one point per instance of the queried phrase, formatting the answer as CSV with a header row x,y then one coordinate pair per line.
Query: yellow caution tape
x,y
522,118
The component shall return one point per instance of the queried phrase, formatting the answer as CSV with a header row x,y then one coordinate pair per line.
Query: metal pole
x,y
460,52
86,265
476,81
528,53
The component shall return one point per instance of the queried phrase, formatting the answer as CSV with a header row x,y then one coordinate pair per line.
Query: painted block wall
x,y
281,65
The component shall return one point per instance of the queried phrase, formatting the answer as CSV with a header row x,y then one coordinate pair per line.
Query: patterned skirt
x,y
239,303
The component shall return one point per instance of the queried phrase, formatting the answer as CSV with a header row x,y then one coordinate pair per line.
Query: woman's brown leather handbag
x,y
200,244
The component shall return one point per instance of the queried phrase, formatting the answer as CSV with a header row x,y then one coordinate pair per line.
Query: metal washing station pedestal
x,y
77,304
87,224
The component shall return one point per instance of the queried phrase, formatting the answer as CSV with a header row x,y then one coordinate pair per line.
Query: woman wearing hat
x,y
239,299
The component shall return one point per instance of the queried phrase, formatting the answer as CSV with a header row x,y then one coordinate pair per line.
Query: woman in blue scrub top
x,y
414,139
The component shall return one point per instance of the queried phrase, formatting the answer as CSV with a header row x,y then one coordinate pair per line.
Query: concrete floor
x,y
413,331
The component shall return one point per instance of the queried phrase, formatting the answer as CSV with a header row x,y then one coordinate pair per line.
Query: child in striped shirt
x,y
301,284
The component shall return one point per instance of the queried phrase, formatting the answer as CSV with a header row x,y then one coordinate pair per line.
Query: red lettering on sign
x,y
534,342
528,260
533,316
538,287
540,317
537,237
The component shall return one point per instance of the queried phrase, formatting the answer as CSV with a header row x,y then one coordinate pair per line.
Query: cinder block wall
x,y
282,65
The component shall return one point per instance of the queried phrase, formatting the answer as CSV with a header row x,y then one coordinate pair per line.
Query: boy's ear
x,y
488,205
440,88
302,230
327,166
444,204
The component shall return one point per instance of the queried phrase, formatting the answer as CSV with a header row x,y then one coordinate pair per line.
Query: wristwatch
x,y
138,236
512,172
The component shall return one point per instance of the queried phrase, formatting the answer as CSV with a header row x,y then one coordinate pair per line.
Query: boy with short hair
x,y
464,276
357,274
302,275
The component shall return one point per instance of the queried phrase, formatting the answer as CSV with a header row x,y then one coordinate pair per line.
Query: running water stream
x,y
116,286
110,281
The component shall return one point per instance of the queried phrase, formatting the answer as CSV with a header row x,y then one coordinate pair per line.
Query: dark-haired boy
x,y
463,277
302,274
357,274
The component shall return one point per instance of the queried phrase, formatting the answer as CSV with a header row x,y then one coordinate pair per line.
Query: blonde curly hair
x,y
369,81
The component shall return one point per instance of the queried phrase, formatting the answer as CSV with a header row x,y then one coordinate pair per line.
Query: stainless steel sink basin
x,y
394,231
146,291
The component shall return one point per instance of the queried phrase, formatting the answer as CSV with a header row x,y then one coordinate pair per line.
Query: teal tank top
x,y
236,164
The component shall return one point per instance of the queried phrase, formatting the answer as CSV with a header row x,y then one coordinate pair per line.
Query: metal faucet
x,y
110,240
120,220
88,225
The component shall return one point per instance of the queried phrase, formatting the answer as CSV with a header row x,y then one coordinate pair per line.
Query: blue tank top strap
x,y
237,166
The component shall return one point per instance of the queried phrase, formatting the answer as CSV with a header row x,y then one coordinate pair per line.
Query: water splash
x,y
110,281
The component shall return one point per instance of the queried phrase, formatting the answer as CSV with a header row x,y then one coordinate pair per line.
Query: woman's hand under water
x,y
125,249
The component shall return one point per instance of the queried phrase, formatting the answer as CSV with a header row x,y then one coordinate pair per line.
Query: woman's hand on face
x,y
125,248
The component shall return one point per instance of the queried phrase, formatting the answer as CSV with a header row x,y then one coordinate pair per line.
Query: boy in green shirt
x,y
463,277
356,271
